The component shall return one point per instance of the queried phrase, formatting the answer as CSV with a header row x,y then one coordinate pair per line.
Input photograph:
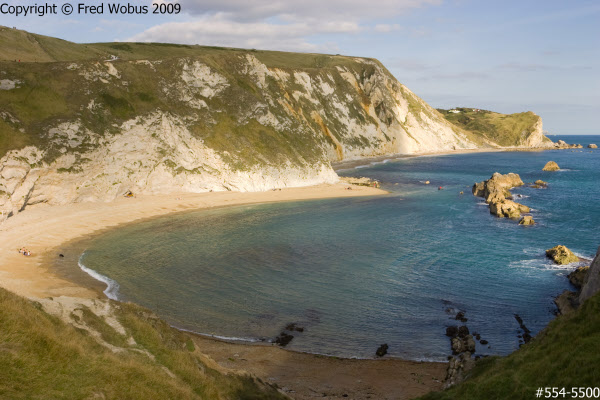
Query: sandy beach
x,y
46,230
350,164
42,228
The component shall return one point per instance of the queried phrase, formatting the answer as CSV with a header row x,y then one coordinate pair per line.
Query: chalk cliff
x,y
161,118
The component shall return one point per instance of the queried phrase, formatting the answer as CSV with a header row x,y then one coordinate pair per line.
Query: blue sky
x,y
509,56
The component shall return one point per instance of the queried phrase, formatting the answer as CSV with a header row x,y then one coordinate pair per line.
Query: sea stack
x,y
496,194
551,166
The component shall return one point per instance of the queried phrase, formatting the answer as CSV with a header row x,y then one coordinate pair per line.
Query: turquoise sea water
x,y
356,273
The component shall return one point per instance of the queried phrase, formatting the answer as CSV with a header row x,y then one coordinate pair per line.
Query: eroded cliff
x,y
194,119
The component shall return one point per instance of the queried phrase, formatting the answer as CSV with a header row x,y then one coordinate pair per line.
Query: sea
x,y
355,273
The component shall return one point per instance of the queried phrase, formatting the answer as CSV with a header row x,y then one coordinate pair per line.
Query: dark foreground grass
x,y
42,357
565,354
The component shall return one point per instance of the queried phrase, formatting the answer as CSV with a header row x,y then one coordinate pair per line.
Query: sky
x,y
509,56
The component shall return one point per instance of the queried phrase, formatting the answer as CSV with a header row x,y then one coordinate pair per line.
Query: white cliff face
x,y
152,155
536,138
238,125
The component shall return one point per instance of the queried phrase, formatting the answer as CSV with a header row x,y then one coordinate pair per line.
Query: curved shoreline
x,y
49,230
363,162
44,229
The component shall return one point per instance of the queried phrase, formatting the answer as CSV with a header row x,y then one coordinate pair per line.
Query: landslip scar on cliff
x,y
88,122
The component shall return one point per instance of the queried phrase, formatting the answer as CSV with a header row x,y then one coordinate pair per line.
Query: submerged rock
x,y
294,327
527,220
526,332
539,184
461,317
382,350
551,166
561,255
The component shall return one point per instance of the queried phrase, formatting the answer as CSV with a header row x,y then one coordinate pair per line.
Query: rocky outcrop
x,y
551,166
496,193
578,277
527,220
508,209
497,185
592,146
562,145
382,350
591,285
360,181
568,301
463,347
586,280
561,255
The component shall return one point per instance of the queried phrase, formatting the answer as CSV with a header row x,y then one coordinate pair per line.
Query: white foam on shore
x,y
544,264
112,286
226,338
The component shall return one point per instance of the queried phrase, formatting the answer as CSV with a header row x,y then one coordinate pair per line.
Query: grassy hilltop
x,y
503,129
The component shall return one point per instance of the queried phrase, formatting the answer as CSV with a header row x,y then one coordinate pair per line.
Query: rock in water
x,y
283,339
527,220
294,327
539,184
496,188
461,317
463,331
507,208
382,350
469,343
592,146
496,194
551,166
452,331
561,255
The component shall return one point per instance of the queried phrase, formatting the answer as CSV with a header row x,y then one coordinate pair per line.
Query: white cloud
x,y
220,31
323,9
276,24
385,28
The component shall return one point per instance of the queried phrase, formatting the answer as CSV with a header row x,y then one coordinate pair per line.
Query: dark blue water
x,y
356,273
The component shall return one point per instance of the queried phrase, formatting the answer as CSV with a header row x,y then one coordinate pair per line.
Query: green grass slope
x,y
21,45
504,129
42,357
565,354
